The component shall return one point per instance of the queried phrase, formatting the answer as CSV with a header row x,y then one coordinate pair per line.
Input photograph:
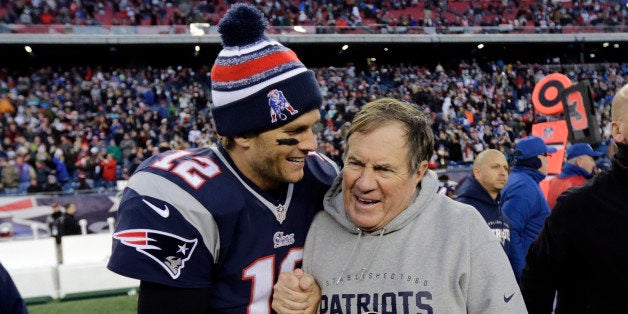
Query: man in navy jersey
x,y
209,229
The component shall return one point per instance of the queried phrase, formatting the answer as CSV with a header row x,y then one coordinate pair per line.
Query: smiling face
x,y
377,182
269,163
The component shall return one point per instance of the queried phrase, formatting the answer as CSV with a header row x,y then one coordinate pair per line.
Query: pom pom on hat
x,y
257,83
243,25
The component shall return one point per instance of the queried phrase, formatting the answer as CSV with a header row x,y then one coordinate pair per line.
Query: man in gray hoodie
x,y
387,242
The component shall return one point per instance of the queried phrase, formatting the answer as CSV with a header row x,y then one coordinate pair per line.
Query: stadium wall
x,y
128,48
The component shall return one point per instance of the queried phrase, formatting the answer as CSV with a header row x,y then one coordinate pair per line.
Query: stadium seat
x,y
33,266
84,270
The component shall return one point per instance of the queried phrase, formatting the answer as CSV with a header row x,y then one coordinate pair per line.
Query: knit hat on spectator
x,y
581,149
257,83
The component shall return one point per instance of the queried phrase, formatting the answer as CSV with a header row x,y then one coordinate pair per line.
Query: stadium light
x,y
386,49
28,49
345,47
299,29
616,46
197,48
606,44
480,46
592,56
198,29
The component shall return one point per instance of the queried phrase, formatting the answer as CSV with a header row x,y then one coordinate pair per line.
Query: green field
x,y
121,304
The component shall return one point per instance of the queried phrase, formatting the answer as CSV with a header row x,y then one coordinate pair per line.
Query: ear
x,y
616,133
242,140
476,172
420,172
579,161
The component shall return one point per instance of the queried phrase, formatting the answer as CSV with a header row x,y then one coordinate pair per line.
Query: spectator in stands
x,y
126,146
60,169
109,171
35,187
482,188
26,171
52,185
82,184
522,199
585,234
10,177
10,299
114,150
42,172
579,167
445,186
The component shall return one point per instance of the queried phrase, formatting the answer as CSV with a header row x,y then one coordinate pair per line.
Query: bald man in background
x,y
482,190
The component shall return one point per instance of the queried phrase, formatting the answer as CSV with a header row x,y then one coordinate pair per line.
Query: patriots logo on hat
x,y
278,104
167,249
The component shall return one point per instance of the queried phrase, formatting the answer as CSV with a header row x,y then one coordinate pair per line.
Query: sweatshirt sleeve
x,y
492,286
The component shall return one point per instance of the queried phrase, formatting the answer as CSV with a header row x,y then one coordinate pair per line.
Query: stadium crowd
x,y
83,127
545,16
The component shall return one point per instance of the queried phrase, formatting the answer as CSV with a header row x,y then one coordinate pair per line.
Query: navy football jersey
x,y
190,219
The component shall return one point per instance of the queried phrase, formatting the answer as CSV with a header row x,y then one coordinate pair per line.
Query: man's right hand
x,y
296,292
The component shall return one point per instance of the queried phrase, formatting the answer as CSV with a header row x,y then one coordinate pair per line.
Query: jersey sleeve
x,y
163,234
324,169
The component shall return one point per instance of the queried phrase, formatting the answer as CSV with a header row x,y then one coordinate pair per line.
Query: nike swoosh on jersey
x,y
507,299
162,212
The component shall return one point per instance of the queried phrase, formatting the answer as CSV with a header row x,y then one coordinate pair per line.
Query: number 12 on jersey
x,y
262,273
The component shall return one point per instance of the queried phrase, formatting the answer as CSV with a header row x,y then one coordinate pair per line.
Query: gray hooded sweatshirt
x,y
436,256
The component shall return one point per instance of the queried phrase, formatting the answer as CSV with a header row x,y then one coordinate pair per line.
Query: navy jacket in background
x,y
473,193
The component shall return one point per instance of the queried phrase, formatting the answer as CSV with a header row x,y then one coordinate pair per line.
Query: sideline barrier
x,y
84,266
33,266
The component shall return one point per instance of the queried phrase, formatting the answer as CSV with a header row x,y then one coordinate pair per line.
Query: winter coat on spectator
x,y
115,151
42,171
108,169
61,170
525,204
26,172
570,176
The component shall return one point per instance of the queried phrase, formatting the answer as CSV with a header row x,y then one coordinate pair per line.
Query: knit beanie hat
x,y
257,83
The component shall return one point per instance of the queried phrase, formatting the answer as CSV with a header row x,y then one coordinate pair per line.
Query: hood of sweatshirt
x,y
471,189
423,195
